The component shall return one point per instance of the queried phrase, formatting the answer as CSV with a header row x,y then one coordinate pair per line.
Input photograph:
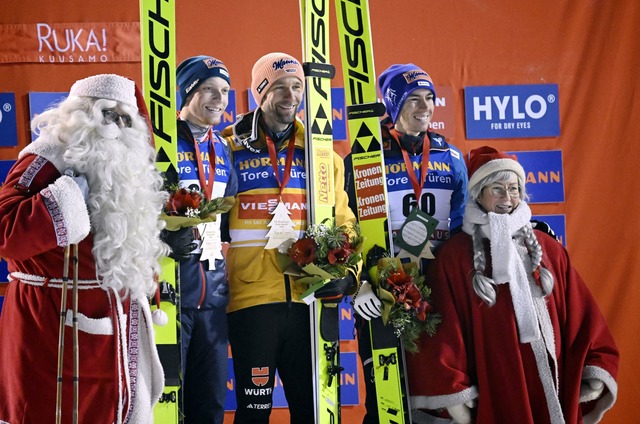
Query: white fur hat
x,y
486,160
106,86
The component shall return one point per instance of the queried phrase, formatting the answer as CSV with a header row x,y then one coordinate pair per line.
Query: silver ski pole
x,y
63,315
76,352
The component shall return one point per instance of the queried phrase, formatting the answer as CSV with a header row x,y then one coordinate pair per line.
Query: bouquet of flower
x,y
323,254
405,300
186,208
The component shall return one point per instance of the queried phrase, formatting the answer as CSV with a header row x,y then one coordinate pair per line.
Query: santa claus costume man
x,y
89,179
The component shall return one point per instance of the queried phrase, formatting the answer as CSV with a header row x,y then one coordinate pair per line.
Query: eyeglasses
x,y
499,192
113,117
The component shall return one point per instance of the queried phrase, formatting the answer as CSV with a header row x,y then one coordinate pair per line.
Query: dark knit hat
x,y
486,160
269,69
397,82
195,70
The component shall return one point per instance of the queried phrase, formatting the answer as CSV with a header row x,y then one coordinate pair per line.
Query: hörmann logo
x,y
160,75
355,50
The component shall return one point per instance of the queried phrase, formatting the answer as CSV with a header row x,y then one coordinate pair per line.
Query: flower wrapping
x,y
188,208
326,252
405,300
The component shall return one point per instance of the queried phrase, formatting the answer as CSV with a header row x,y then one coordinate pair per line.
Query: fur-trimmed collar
x,y
507,265
52,149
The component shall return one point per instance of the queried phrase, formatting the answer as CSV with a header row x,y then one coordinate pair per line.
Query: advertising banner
x,y
512,111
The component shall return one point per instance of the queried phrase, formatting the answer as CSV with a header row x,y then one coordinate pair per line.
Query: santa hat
x,y
269,69
397,82
486,160
106,86
195,70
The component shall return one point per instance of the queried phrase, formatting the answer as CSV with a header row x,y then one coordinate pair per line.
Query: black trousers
x,y
265,338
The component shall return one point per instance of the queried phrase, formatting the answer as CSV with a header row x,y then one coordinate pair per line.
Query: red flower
x,y
398,279
181,200
422,310
408,295
303,251
339,255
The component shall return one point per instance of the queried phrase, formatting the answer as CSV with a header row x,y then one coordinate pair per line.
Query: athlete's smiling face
x,y
416,113
280,104
207,103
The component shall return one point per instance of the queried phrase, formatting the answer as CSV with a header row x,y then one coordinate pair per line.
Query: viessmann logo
x,y
512,111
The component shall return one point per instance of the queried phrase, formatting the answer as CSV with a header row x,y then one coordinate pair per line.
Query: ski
x,y
158,47
325,340
363,121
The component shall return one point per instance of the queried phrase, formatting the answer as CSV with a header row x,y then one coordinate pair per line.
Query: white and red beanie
x,y
269,69
106,86
397,82
486,160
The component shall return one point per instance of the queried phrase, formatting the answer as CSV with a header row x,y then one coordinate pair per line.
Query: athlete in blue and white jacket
x,y
422,170
204,165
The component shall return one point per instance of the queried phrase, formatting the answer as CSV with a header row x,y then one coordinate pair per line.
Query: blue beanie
x,y
397,82
195,70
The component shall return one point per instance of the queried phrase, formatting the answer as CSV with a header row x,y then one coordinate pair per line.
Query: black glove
x,y
181,242
337,288
544,227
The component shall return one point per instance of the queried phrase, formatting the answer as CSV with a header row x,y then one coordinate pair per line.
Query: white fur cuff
x,y
68,211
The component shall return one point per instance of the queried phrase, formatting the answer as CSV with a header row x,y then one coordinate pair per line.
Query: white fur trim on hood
x,y
106,86
49,148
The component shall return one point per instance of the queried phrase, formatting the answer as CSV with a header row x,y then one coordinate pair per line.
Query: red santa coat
x,y
476,353
120,376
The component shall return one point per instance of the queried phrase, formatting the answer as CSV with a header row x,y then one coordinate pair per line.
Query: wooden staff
x,y
76,350
63,316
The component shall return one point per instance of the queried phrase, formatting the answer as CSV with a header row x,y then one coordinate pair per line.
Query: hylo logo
x,y
535,106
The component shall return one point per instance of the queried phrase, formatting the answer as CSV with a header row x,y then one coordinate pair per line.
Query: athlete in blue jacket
x,y
422,170
203,164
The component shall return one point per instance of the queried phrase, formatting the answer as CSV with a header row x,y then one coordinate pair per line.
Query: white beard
x,y
125,201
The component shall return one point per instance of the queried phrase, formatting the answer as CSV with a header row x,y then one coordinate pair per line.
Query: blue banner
x,y
512,111
339,121
348,384
545,178
346,321
41,101
8,126
557,224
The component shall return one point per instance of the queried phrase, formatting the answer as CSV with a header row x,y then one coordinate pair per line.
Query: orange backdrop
x,y
590,49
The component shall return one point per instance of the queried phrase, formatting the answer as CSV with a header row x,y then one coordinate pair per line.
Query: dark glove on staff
x,y
180,241
336,289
